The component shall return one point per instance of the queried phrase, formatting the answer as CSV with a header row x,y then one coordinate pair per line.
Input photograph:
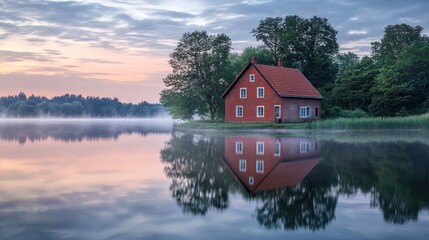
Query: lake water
x,y
141,180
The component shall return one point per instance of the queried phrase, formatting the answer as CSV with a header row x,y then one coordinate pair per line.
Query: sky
x,y
120,48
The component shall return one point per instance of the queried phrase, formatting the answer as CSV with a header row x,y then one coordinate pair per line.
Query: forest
x,y
70,105
392,81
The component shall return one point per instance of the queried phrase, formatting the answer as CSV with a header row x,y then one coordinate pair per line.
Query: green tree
x,y
307,44
402,88
200,75
395,39
239,60
345,61
352,88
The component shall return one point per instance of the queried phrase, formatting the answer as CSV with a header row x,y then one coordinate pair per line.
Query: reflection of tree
x,y
310,204
395,174
199,180
77,131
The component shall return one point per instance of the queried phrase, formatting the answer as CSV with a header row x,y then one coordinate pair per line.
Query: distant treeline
x,y
70,105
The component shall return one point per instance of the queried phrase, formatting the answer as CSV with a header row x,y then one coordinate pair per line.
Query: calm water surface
x,y
141,180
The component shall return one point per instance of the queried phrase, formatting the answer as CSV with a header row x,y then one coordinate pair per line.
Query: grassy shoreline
x,y
420,122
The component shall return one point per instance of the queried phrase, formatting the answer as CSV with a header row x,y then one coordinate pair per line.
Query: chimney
x,y
254,61
280,62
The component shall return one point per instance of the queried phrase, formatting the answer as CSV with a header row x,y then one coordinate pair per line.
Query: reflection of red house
x,y
263,163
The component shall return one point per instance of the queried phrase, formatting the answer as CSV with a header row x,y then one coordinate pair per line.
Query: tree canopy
x,y
70,105
200,75
307,44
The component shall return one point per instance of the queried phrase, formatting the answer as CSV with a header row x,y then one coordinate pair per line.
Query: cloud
x,y
357,32
13,56
95,60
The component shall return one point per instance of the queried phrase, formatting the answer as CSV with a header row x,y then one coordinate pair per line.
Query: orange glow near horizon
x,y
131,74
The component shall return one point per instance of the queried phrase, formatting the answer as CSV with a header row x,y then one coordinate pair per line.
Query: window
x,y
260,111
251,180
304,112
251,77
239,147
242,165
239,111
243,93
277,111
277,149
260,166
260,92
259,148
304,147
316,112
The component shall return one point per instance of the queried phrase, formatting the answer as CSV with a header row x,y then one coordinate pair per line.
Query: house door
x,y
277,113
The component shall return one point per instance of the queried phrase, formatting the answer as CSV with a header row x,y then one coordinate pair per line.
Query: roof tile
x,y
288,82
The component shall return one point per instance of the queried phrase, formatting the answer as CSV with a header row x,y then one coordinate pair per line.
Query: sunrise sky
x,y
120,48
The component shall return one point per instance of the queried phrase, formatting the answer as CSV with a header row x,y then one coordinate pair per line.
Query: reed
x,y
411,122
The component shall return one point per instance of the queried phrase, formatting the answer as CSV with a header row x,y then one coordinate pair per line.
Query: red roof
x,y
287,82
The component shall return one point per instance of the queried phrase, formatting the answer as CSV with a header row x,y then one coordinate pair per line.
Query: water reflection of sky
x,y
119,189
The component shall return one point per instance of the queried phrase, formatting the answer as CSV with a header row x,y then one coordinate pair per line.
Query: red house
x,y
263,93
265,163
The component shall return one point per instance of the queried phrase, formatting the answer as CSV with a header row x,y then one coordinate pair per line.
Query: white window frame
x,y
252,78
236,111
304,147
305,110
260,166
239,147
257,111
280,111
242,165
257,92
251,180
245,93
278,146
262,148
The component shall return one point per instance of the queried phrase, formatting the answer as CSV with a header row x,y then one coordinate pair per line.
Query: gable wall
x,y
250,103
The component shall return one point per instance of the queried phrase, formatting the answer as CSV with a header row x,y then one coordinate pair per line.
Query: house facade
x,y
263,93
265,163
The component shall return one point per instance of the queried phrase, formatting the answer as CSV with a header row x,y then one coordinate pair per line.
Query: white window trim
x,y
251,180
257,149
242,162
307,113
245,92
280,149
236,111
280,111
304,147
257,112
261,163
250,78
237,150
257,92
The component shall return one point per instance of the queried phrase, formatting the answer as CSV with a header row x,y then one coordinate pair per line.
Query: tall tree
x,y
402,88
345,61
239,60
307,44
200,75
395,39
352,88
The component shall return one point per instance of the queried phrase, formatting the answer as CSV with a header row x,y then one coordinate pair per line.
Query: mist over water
x,y
78,129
